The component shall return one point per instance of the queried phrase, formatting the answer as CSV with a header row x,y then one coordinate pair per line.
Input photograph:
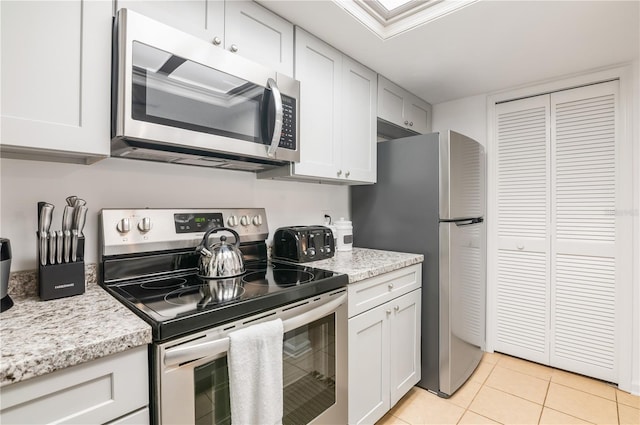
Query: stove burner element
x,y
281,277
164,284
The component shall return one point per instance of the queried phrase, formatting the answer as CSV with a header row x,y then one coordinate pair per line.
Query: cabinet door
x,y
260,35
358,122
318,67
202,18
418,114
56,74
404,344
391,101
369,365
522,288
90,393
584,170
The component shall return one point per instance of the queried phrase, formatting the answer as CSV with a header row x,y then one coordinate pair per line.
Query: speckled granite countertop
x,y
363,263
38,337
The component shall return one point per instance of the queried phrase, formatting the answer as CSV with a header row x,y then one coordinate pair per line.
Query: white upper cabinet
x,y
56,79
358,122
201,18
242,27
319,70
402,108
256,33
337,116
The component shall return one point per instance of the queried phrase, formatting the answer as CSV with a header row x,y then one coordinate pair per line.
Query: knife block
x,y
62,280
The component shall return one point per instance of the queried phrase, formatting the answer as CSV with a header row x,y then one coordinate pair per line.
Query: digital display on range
x,y
194,223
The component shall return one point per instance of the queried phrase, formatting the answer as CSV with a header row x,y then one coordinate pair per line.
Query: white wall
x,y
467,116
122,183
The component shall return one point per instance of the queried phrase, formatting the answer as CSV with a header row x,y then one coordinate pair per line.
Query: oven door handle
x,y
176,356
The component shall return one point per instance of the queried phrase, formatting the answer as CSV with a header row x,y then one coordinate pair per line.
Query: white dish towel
x,y
255,374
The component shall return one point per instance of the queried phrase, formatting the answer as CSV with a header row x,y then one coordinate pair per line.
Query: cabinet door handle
x,y
406,122
411,124
390,286
520,247
233,48
347,174
216,41
339,173
388,312
396,308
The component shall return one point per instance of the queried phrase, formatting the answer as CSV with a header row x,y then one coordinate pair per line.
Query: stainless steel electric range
x,y
149,263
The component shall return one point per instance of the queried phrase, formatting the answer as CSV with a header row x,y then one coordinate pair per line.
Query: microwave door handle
x,y
277,121
188,353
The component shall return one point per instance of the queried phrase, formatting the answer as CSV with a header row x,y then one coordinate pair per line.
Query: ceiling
x,y
484,47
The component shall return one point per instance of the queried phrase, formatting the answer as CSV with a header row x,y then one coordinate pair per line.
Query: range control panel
x,y
151,229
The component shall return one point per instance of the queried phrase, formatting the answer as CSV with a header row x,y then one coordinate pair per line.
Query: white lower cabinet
x,y
384,342
114,388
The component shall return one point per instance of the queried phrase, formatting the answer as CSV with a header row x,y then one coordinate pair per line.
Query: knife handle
x,y
67,245
43,248
52,247
59,239
74,245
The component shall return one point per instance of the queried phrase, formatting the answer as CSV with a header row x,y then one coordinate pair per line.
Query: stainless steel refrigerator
x,y
430,199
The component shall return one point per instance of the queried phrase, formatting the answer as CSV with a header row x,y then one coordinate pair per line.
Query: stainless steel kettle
x,y
221,260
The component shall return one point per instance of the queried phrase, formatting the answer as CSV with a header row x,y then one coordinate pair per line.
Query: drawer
x,y
94,392
378,290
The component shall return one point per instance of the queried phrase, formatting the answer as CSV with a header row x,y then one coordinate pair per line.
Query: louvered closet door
x,y
522,286
583,233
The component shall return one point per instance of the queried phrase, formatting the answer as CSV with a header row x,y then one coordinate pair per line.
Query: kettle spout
x,y
204,251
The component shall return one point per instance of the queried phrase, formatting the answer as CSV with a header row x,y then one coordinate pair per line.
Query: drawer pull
x,y
390,286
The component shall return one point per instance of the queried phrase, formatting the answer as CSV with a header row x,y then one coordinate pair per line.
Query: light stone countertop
x,y
363,263
38,337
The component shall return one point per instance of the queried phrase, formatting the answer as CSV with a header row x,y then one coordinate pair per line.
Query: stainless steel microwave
x,y
177,98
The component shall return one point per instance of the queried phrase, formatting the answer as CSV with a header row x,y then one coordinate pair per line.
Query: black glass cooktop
x,y
180,304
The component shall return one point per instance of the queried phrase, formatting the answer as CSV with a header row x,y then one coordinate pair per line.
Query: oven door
x,y
176,91
192,376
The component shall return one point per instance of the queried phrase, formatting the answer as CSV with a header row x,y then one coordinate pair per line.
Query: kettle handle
x,y
208,233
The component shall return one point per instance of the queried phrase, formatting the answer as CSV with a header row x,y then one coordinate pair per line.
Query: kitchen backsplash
x,y
122,183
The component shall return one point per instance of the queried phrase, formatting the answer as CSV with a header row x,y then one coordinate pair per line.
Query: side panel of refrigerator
x,y
462,165
462,302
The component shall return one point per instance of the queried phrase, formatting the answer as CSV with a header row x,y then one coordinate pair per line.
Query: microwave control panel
x,y
288,136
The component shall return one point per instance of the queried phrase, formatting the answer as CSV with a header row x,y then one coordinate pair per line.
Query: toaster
x,y
303,243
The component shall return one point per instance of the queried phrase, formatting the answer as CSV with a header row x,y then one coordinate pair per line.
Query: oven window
x,y
309,368
173,91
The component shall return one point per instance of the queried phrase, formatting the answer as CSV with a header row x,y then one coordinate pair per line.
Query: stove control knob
x,y
145,225
257,220
123,226
232,221
244,220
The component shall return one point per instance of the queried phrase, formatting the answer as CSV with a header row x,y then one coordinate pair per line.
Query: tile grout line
x,y
544,402
482,385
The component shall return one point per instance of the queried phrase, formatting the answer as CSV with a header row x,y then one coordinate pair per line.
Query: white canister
x,y
344,231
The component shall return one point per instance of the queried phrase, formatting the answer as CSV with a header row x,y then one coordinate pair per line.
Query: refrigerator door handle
x,y
463,221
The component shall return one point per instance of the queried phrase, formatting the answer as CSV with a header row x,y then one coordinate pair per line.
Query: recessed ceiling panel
x,y
387,18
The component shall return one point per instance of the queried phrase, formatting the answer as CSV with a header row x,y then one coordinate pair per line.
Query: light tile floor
x,y
509,390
